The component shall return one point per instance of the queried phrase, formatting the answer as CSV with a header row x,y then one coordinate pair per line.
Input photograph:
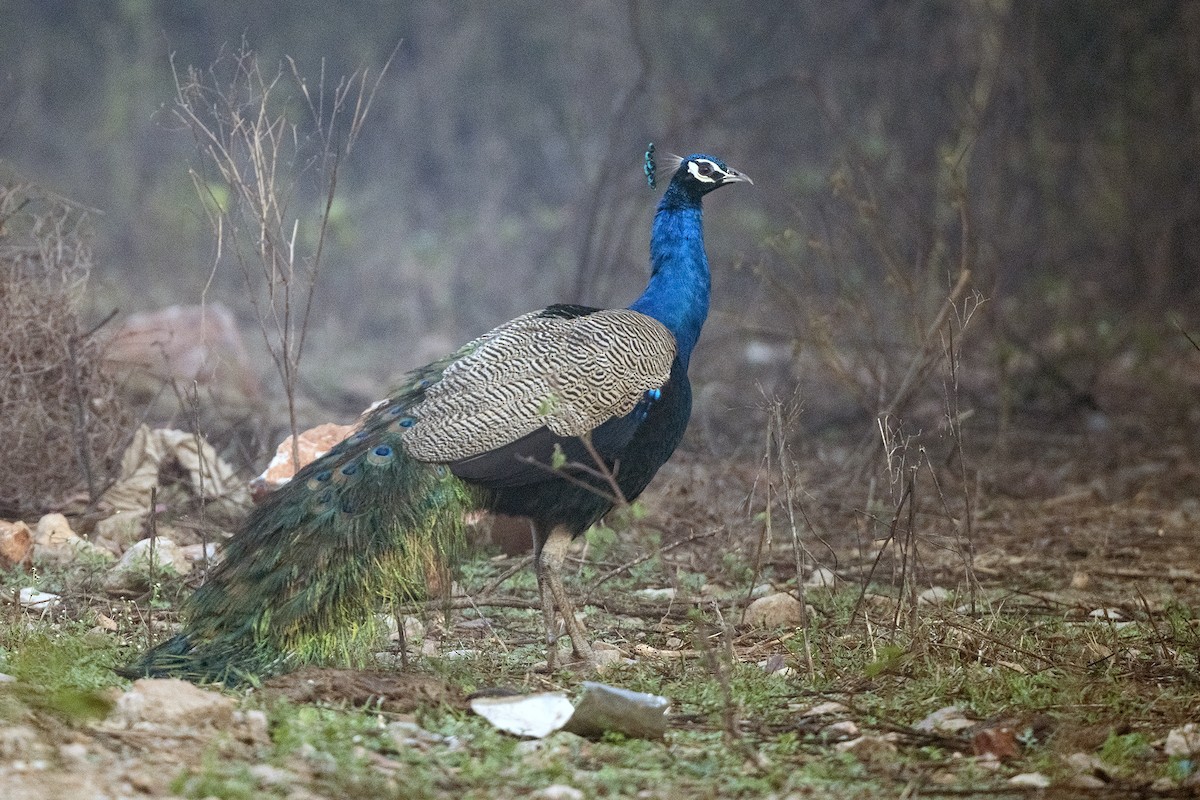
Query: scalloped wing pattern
x,y
568,374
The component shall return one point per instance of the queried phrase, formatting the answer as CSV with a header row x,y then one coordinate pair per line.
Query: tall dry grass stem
x,y
271,146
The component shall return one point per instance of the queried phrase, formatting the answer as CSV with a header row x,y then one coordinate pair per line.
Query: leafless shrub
x,y
61,424
270,147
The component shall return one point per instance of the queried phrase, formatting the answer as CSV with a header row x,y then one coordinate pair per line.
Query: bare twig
x,y
612,573
245,132
1179,327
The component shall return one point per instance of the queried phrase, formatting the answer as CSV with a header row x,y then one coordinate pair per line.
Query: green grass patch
x,y
63,669
1063,682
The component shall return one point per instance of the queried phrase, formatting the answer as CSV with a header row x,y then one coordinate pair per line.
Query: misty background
x,y
1050,148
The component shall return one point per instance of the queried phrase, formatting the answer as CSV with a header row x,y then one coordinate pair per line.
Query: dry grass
x,y
61,423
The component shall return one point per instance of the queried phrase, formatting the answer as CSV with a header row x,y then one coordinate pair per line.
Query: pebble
x,y
73,753
132,572
779,610
558,791
1030,780
38,601
935,596
1183,742
948,719
844,729
821,577
827,709
267,775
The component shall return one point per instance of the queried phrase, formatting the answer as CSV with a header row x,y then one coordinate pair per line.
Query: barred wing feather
x,y
560,369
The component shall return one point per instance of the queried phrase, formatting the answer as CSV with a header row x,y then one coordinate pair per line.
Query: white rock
x,y
1184,741
1030,780
607,655
38,601
779,610
935,596
73,753
1089,782
1107,613
666,593
169,703
462,652
196,553
558,791
821,577
133,571
948,719
53,530
829,708
267,775
845,728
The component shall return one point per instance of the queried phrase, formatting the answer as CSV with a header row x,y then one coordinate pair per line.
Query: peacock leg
x,y
550,561
540,537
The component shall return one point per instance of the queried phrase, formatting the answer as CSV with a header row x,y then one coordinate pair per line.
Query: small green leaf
x,y
548,406
559,459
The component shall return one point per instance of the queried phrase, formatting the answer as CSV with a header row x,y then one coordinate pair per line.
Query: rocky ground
x,y
1023,623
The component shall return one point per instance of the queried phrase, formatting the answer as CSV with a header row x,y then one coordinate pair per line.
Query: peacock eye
x,y
705,168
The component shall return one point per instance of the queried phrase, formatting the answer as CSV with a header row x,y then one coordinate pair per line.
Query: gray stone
x,y
779,610
159,556
558,791
171,704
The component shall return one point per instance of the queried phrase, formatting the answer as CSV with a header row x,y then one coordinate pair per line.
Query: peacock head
x,y
698,174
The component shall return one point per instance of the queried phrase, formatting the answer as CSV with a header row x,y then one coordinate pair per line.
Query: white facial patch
x,y
713,170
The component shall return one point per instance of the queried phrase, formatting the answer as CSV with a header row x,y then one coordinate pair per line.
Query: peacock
x,y
553,416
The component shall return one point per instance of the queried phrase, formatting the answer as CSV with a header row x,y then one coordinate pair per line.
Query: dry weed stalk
x,y
927,272
781,489
955,416
246,129
902,532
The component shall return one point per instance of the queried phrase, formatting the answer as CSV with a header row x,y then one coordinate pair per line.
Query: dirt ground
x,y
1054,518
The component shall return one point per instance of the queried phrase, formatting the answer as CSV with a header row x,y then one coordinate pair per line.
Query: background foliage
x,y
499,170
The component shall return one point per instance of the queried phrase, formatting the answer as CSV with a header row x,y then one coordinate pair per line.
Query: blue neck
x,y
677,295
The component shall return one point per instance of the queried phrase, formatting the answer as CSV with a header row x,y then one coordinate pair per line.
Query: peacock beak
x,y
733,176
